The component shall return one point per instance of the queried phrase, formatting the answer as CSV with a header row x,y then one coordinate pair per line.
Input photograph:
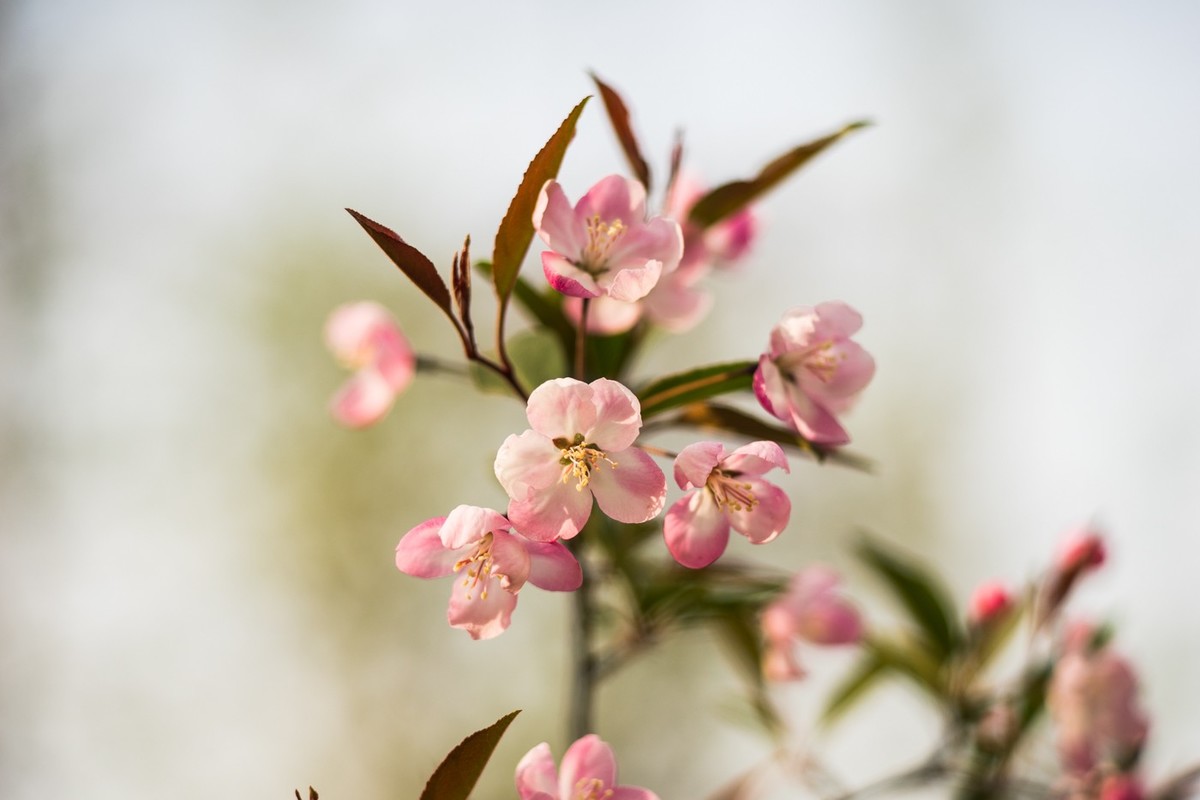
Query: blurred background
x,y
199,598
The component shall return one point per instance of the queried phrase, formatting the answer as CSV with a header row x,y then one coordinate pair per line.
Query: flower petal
x,y
634,491
364,399
468,524
769,516
618,416
482,609
696,530
422,554
510,560
629,284
555,221
537,776
756,458
589,758
567,278
552,567
696,462
614,198
562,407
349,328
606,316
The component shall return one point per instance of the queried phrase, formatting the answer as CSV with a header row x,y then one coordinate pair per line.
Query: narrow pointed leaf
x,y
861,678
921,594
716,417
701,383
731,197
411,261
456,776
516,229
618,115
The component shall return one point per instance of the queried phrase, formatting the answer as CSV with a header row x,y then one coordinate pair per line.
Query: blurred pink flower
x,y
811,609
718,245
366,338
1122,787
812,371
1082,550
579,447
728,492
604,246
1093,701
589,772
495,562
989,602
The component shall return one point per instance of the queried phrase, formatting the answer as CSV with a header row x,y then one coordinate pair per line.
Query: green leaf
x,y
516,229
716,417
618,115
696,384
411,261
455,777
910,660
537,357
919,592
863,677
731,197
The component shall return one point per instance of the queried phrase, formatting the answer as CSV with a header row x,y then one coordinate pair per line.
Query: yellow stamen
x,y
729,492
601,236
579,460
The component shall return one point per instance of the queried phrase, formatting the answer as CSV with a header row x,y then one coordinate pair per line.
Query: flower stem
x,y
581,342
583,661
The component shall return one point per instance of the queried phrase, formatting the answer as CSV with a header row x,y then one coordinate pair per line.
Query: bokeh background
x,y
198,592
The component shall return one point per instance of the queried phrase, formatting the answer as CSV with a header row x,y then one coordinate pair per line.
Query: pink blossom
x,y
366,338
1122,787
1093,701
495,562
579,447
720,244
589,772
991,601
604,247
811,609
1082,550
728,492
812,371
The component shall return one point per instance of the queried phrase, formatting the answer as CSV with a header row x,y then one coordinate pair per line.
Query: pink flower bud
x,y
991,601
1082,550
1122,787
811,609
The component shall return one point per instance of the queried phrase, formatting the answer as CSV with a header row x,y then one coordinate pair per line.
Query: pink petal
x,y
836,320
730,239
363,400
696,530
660,239
676,304
618,417
526,464
756,458
558,512
348,330
830,621
614,198
588,758
813,421
635,491
552,567
394,359
696,462
769,388
422,554
511,563
483,610
567,278
630,284
562,407
780,665
468,524
555,221
769,517
605,315
536,775
853,373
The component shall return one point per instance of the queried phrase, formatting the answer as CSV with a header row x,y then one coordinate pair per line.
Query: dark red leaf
x,y
411,261
618,115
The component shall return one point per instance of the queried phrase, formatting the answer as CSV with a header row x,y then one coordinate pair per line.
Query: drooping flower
x,y
366,338
604,246
589,772
491,561
579,447
1093,701
812,371
812,609
728,492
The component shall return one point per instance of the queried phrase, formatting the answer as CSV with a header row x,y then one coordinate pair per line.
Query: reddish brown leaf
x,y
411,261
618,115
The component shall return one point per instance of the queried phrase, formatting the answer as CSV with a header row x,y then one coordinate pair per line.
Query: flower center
x,y
729,492
478,565
579,459
601,236
591,789
822,360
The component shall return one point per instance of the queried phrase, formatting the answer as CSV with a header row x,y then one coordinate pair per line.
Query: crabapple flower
x,y
579,447
1093,701
728,492
365,337
990,601
589,772
494,562
811,609
604,246
812,371
720,244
